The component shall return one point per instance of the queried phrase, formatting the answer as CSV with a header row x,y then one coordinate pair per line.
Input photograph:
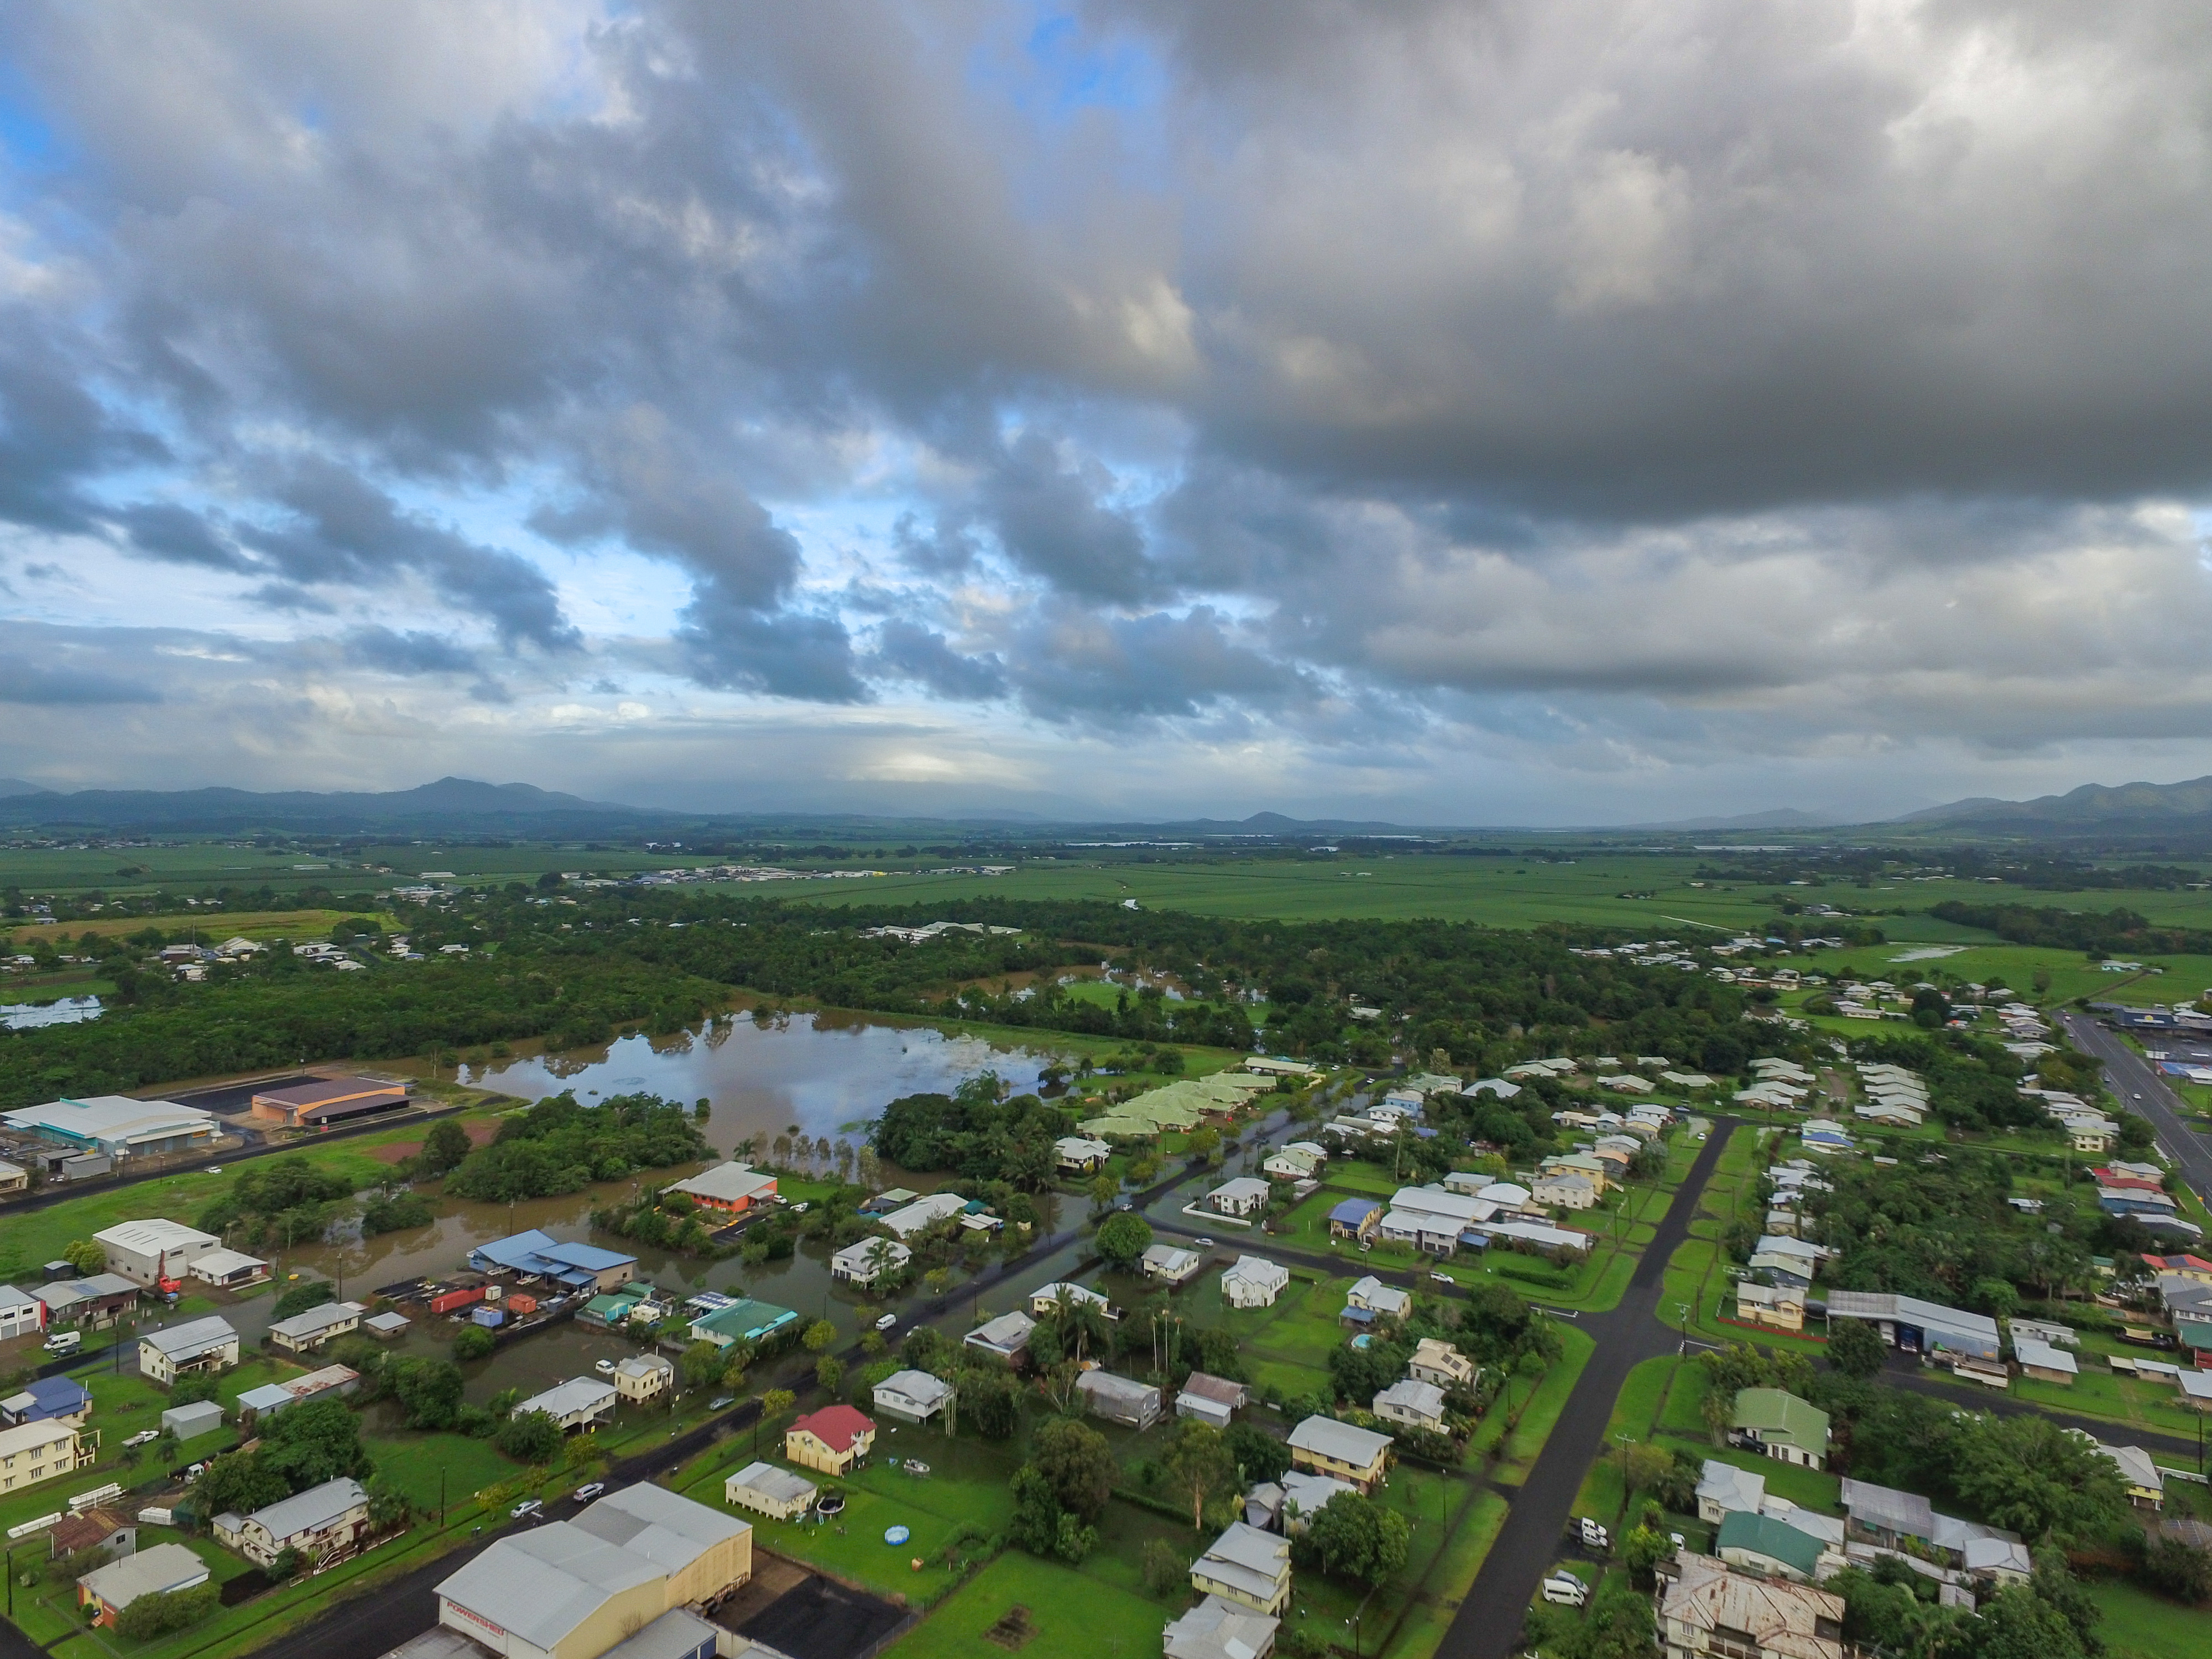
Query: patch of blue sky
x,y
27,139
1080,69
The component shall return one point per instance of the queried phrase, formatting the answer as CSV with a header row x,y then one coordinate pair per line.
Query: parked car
x,y
143,1436
1593,1533
590,1490
1439,1276
215,1168
604,1367
721,1401
195,1472
1202,1243
527,1506
886,1321
1566,1589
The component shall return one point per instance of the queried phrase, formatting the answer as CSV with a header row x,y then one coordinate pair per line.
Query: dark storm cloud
x,y
409,652
51,685
162,530
1073,665
908,651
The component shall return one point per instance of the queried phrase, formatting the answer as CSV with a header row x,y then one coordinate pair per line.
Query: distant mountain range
x,y
449,802
2093,805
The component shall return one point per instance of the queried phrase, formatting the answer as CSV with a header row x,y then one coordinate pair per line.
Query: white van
x,y
63,1342
1566,1589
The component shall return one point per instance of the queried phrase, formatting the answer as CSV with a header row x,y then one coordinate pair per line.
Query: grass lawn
x,y
415,1462
2141,1625
1071,1615
1812,1489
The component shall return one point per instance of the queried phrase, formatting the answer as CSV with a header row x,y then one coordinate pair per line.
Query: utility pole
x,y
442,1498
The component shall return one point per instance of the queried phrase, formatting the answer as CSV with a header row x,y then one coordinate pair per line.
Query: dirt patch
x,y
814,1619
1013,1628
479,1134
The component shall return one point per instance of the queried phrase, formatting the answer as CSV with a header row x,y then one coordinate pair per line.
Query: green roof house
x,y
1759,1543
1781,1426
744,1320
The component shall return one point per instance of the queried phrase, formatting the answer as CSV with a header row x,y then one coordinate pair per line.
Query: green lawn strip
x,y
1071,1615
1681,1414
1449,1578
2138,1625
2124,1400
1543,1407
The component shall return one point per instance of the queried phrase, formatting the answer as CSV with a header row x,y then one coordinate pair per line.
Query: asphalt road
x,y
2137,1086
1488,1623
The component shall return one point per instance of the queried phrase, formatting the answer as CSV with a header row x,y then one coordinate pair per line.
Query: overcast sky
x,y
1567,412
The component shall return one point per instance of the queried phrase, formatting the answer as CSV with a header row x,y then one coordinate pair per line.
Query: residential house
x,y
1325,1446
2044,1362
767,1490
1305,1495
1006,1337
1219,1629
1246,1195
1269,1066
1300,1161
1771,1548
161,1570
1246,1566
46,1400
1415,1404
1211,1400
1781,1426
1782,1307
1357,1219
22,1314
15,1180
1253,1281
580,1403
1906,1523
1173,1265
644,1377
1370,1299
32,1452
1708,1610
305,1333
229,1270
742,1321
1794,1262
2145,1482
911,1396
93,1530
1080,1154
1596,1169
273,1397
728,1190
1724,1490
830,1440
198,1345
1564,1190
315,1522
1433,1218
924,1214
1045,1301
155,1251
1121,1399
1436,1361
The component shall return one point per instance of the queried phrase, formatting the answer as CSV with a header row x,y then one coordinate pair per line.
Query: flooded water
x,y
822,1075
64,1011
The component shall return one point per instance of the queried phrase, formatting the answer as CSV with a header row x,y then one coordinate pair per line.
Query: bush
x,y
301,1297
474,1343
157,1615
532,1437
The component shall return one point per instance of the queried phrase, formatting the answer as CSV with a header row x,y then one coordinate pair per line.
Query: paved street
x,y
2138,1087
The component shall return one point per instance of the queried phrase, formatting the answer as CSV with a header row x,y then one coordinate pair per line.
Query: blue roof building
x,y
46,1398
1356,1217
535,1254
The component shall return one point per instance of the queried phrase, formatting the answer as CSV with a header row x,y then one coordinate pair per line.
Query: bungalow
x,y
161,1570
1174,1265
727,1190
1247,1566
1243,1196
1121,1399
1772,1548
198,1345
1565,1189
1269,1066
1372,1296
1306,1495
1416,1404
924,1214
1294,1163
273,1397
93,1530
1211,1400
305,1333
229,1269
314,1522
911,1396
2144,1481
1359,1219
46,1400
1492,1086
1724,1490
1080,1154
1218,1629
1046,1300
1707,1608
1436,1361
767,1490
1325,1446
742,1321
581,1403
2044,1362
1006,1337
1253,1281
830,1440
644,1377
1433,1219
1780,1307
1780,1426
870,1260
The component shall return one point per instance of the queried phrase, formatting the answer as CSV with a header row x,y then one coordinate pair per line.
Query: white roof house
x,y
912,1396
208,1342
1219,1629
1240,1197
1306,1494
226,1266
161,1570
575,1404
728,1185
1081,1151
1724,1489
1293,1163
1436,1361
1247,1566
1046,1299
1253,1281
1007,1336
767,1490
864,1262
2034,1356
925,1211
1372,1294
317,1326
1172,1264
1413,1402
1121,1399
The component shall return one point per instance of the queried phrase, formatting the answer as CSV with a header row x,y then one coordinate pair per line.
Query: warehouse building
x,y
155,1251
337,1100
118,1126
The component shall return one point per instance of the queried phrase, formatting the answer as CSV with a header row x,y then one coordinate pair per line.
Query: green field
x,y
1071,1615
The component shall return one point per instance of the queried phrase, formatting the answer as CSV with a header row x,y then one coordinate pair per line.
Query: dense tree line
x,y
559,1145
2119,932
